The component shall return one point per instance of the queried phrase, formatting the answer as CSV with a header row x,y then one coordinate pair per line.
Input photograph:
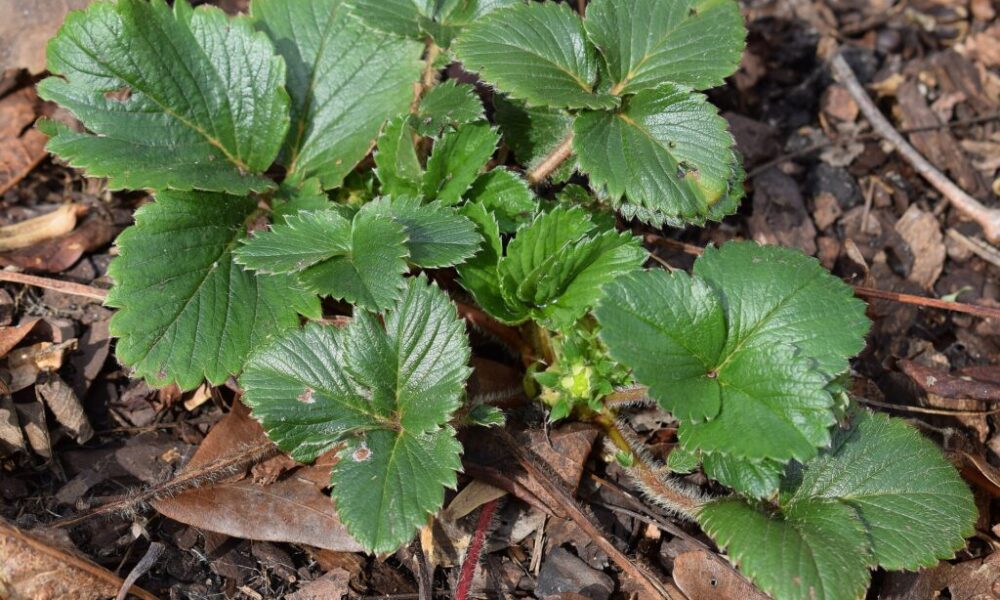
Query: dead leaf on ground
x,y
969,580
22,146
922,233
65,405
334,584
11,438
60,253
31,569
11,336
699,575
26,29
38,229
293,509
944,384
779,213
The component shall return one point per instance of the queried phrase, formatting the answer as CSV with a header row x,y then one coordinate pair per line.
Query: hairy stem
x,y
551,161
475,552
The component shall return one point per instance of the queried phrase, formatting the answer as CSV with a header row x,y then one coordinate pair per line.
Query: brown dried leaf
x,y
26,29
65,405
21,146
10,337
61,253
11,438
31,569
946,385
39,229
293,509
969,580
699,575
922,233
332,585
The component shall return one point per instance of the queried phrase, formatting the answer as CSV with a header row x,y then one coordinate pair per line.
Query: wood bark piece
x,y
987,218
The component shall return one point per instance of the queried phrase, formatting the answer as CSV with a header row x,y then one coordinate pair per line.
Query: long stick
x,y
987,218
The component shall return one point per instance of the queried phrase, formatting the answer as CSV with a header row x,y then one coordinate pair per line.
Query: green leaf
x,y
553,270
388,392
345,81
646,43
753,479
506,195
912,501
361,261
532,133
456,160
437,236
775,295
479,275
815,551
882,495
535,52
447,105
417,18
396,163
183,98
187,312
667,150
723,366
291,199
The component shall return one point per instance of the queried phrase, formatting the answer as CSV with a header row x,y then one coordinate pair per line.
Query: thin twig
x,y
978,247
929,411
149,559
985,312
987,218
551,161
66,287
535,468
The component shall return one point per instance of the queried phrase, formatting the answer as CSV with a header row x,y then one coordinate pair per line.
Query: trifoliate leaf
x,y
912,501
755,479
534,132
456,160
535,52
722,365
506,195
388,392
447,105
646,43
345,81
479,275
667,150
553,269
187,312
361,261
815,551
182,98
882,495
437,236
396,163
775,295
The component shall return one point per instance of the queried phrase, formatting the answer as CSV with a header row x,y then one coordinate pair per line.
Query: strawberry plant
x,y
305,160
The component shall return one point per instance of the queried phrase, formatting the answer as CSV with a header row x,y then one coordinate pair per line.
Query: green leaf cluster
x,y
621,84
551,271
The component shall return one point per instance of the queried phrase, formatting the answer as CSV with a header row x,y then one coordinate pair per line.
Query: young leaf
x,y
361,261
755,479
856,506
815,551
437,236
553,270
456,161
345,81
646,43
668,150
721,365
535,52
533,133
480,276
505,195
183,98
388,392
187,312
396,163
290,199
447,105
417,18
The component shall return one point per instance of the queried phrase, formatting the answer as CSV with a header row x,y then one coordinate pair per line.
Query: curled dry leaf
x,y
21,146
700,575
292,509
942,383
31,568
57,254
38,229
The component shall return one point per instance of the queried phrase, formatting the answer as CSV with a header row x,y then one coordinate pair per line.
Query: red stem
x,y
475,551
